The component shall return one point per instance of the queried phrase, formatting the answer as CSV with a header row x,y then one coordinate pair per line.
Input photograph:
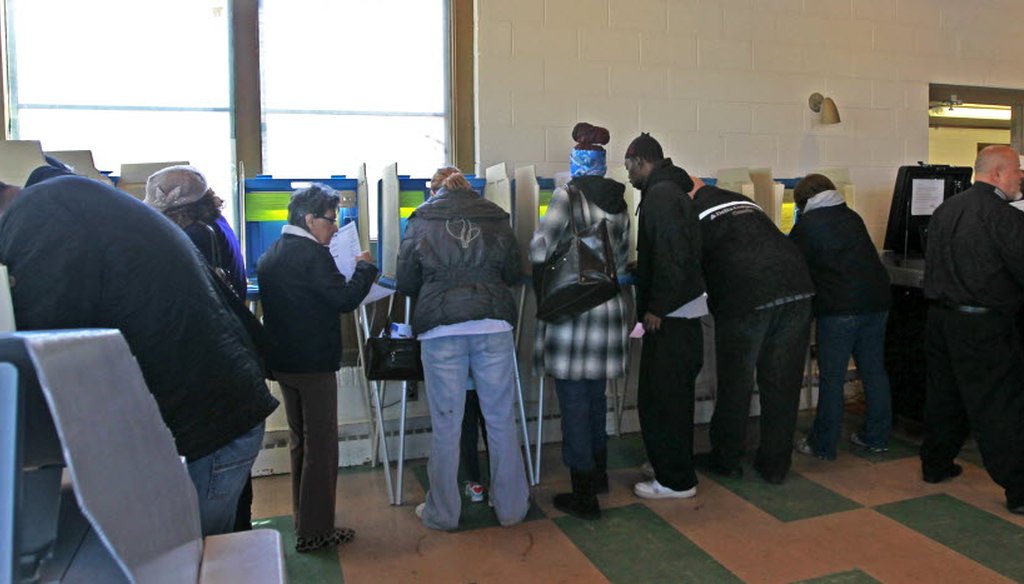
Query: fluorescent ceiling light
x,y
971,111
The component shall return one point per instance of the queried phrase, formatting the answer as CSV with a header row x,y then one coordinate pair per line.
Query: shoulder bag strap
x,y
214,248
575,204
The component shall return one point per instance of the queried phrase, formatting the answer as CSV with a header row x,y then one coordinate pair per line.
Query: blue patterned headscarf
x,y
588,162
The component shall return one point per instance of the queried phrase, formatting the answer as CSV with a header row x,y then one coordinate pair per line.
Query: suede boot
x,y
601,471
581,502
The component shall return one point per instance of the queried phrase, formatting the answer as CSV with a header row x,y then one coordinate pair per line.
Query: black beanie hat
x,y
646,148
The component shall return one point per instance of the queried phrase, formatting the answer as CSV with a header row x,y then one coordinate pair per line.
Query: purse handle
x,y
575,200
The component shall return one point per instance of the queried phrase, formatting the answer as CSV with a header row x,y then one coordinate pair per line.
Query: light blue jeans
x,y
489,360
219,478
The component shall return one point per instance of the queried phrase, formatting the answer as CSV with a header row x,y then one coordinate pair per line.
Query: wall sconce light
x,y
825,106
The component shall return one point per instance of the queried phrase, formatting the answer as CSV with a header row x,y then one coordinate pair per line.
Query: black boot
x,y
601,471
581,502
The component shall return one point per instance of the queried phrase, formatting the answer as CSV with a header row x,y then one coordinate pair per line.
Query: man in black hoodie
x,y
759,291
669,282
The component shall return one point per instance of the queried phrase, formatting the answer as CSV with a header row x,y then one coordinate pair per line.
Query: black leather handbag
x,y
581,273
389,358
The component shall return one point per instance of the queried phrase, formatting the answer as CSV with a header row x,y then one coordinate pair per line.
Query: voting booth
x,y
18,158
129,511
918,191
265,209
132,179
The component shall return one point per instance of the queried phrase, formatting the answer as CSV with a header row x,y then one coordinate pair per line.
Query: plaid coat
x,y
593,345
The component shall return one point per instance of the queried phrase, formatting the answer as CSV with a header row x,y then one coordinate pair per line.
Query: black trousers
x,y
472,427
975,382
669,363
772,342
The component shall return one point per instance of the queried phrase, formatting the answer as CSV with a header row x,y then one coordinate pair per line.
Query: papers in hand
x,y
344,248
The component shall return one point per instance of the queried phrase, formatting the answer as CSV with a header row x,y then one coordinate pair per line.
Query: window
x,y
132,81
350,82
342,82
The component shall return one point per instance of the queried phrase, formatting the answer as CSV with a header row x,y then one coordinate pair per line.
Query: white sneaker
x,y
420,508
475,492
803,446
654,490
647,469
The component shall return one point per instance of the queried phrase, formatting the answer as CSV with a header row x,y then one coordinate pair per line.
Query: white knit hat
x,y
175,186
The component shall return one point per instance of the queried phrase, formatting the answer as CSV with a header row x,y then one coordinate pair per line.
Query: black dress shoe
x,y
773,478
725,471
952,471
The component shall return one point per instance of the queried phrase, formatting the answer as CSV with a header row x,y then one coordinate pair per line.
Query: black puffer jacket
x,y
747,261
668,243
83,254
848,275
303,293
458,258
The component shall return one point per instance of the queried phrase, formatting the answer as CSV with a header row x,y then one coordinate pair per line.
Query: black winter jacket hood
x,y
606,193
666,171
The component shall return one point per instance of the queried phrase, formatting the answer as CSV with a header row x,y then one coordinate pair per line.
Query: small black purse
x,y
392,359
580,274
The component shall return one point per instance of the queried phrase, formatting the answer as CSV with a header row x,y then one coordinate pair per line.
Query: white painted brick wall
x,y
725,82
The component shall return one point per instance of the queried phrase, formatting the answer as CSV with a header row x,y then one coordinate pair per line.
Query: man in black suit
x,y
974,276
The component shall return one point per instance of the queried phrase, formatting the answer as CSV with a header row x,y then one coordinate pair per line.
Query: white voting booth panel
x,y
127,477
134,175
18,158
498,188
81,161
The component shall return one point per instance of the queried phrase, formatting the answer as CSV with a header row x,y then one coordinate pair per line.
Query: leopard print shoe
x,y
339,536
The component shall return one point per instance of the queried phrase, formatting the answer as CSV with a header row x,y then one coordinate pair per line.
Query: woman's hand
x,y
364,256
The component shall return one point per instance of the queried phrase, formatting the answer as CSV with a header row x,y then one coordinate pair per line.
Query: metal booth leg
x,y
522,420
401,425
379,444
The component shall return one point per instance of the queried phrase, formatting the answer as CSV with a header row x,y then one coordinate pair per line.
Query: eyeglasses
x,y
326,218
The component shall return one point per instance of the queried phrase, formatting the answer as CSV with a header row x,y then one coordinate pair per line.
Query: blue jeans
x,y
584,409
838,337
220,477
446,363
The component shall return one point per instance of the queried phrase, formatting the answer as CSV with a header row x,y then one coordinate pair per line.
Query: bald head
x,y
999,166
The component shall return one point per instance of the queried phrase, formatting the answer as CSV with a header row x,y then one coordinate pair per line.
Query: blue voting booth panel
x,y
266,209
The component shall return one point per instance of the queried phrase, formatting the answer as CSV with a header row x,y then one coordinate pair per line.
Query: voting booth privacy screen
x,y
918,192
266,210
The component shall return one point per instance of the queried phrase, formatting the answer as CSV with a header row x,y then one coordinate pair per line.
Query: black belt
x,y
968,309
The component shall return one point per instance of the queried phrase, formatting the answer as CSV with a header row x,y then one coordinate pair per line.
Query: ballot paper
x,y
695,308
344,247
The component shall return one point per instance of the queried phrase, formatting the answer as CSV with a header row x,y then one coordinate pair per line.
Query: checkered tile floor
x,y
860,518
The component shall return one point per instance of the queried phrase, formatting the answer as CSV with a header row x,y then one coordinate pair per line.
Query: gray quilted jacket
x,y
458,259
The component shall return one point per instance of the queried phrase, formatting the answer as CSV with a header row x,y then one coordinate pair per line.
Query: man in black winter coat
x,y
759,291
669,286
82,254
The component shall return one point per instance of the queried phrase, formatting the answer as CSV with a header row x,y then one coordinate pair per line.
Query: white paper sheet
x,y
695,308
926,195
344,247
637,332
